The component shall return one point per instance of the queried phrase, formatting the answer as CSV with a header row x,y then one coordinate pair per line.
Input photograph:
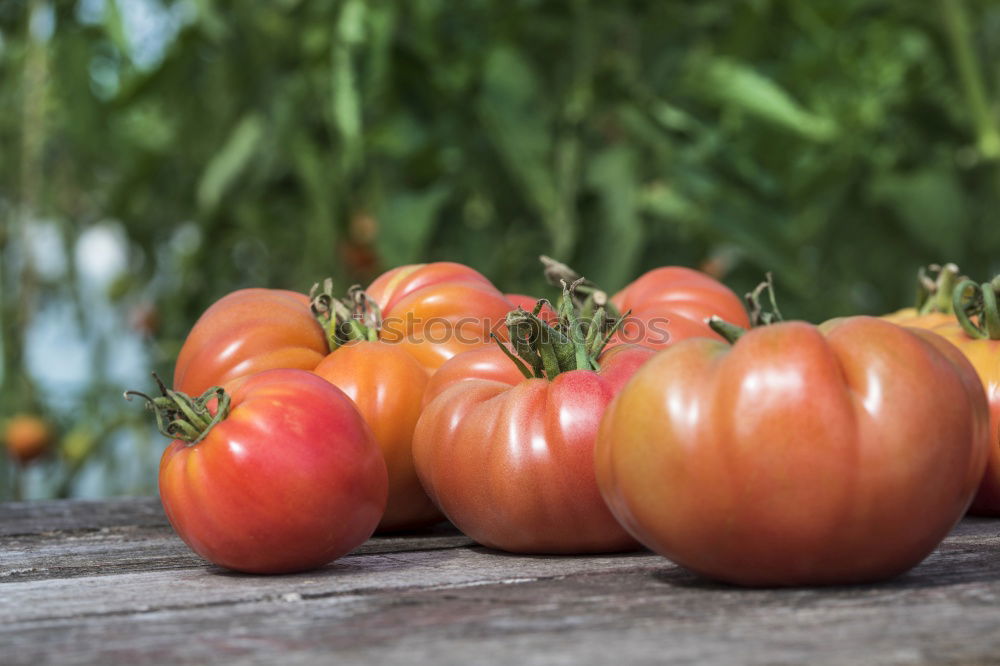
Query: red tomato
x,y
437,310
248,331
798,456
387,385
289,480
509,460
433,311
671,304
27,437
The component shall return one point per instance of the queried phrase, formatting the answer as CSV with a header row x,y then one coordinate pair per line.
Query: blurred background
x,y
157,154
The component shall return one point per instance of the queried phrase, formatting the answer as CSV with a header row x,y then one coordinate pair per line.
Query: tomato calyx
x,y
179,416
935,288
543,351
585,296
343,320
977,308
761,314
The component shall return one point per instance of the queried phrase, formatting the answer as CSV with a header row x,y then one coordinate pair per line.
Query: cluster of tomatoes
x,y
743,447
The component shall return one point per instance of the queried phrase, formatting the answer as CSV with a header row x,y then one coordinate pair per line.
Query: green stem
x,y
759,316
935,286
179,416
956,23
731,332
982,302
544,351
343,320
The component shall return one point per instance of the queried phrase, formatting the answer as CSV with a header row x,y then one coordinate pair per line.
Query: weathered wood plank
x,y
124,589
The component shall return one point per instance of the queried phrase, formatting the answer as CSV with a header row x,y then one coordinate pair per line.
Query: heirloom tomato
x,y
273,473
663,306
387,385
509,458
798,455
966,314
428,311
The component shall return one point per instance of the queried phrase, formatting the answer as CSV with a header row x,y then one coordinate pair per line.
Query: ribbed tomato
x,y
509,460
799,455
665,305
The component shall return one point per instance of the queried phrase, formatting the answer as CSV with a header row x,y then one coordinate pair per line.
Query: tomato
x,y
286,477
799,455
509,460
940,290
27,437
248,331
437,310
428,311
665,305
671,304
387,385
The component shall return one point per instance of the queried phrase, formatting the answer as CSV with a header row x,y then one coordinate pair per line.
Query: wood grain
x,y
110,583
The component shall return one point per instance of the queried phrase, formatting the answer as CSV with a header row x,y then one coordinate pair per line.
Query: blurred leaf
x,y
406,222
613,175
226,165
515,117
346,100
737,85
929,203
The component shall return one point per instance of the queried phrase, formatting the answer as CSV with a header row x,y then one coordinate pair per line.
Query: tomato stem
x,y
343,320
758,315
179,416
543,351
980,302
731,332
936,287
586,296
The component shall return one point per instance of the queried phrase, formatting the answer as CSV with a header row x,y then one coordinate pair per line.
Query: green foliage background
x,y
838,144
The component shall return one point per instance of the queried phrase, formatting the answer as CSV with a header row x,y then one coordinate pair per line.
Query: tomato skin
x,y
438,310
799,456
387,385
27,437
984,354
245,332
510,460
291,480
672,303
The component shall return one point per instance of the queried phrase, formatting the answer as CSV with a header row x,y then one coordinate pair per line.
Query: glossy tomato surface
x,y
984,354
438,310
671,304
510,460
800,455
248,331
290,480
387,385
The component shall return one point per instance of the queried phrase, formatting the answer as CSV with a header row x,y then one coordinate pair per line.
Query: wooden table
x,y
109,582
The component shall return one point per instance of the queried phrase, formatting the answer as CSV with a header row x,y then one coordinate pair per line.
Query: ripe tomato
x,y
248,331
27,437
430,311
509,460
671,304
800,455
666,304
387,385
437,310
288,479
